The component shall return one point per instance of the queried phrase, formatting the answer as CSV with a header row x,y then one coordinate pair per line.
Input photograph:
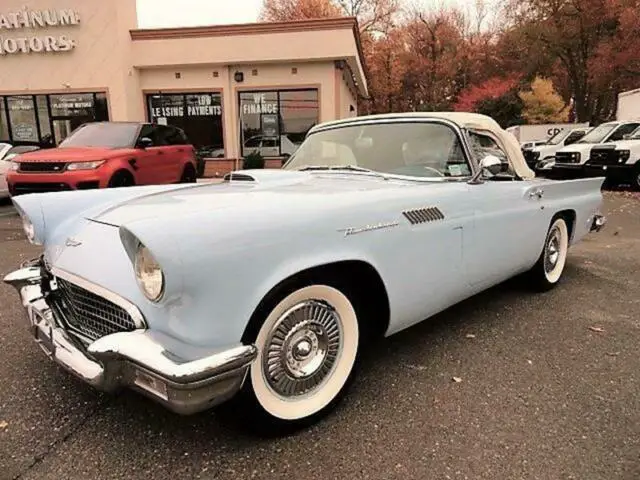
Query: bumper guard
x,y
140,360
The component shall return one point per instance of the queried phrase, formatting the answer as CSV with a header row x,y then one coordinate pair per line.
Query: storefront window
x,y
199,115
22,117
4,124
275,123
46,120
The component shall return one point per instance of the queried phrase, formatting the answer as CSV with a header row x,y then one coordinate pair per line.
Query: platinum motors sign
x,y
27,22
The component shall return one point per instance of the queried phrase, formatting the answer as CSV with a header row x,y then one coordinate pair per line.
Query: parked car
x,y
5,164
4,188
546,152
107,154
619,162
265,288
4,148
268,146
570,160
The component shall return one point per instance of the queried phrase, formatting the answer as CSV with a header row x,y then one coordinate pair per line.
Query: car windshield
x,y
106,135
598,134
557,138
415,149
635,135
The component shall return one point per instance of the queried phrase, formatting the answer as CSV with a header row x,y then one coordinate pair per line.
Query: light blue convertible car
x,y
267,286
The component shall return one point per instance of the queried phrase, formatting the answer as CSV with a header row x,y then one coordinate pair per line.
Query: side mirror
x,y
493,165
145,142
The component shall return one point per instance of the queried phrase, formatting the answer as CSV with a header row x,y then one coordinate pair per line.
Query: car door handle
x,y
539,193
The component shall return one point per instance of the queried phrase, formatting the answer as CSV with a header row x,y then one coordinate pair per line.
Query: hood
x,y
546,150
578,147
72,154
255,191
623,144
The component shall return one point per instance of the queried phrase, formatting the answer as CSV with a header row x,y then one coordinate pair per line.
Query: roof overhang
x,y
332,39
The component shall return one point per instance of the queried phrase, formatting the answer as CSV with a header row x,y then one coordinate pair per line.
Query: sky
x,y
185,13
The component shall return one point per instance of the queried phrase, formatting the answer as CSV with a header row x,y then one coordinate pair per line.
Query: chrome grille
x,y
88,314
604,157
422,215
565,157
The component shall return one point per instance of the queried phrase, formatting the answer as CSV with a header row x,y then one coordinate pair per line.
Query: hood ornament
x,y
72,242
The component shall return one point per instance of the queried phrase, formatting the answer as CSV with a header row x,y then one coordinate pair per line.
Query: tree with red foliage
x,y
496,97
286,10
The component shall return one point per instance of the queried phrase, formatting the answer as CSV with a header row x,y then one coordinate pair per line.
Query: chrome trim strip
x,y
129,307
423,215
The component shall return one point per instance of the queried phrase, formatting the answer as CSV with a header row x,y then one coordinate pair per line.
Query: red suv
x,y
107,154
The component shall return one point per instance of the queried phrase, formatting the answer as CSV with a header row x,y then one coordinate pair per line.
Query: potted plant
x,y
253,160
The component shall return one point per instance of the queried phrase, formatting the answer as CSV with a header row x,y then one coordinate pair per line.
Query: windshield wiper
x,y
353,168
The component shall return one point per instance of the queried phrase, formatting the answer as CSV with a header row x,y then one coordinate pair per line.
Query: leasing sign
x,y
19,31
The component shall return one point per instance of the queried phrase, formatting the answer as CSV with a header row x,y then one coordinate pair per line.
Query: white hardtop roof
x,y
462,119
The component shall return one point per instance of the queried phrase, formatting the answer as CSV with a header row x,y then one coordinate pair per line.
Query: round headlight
x,y
149,274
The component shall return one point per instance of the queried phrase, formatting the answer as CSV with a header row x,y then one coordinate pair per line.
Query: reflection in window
x,y
199,115
275,123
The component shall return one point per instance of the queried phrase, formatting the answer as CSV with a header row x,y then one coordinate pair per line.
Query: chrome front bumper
x,y
140,360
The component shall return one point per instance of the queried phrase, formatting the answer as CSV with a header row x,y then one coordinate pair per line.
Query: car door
x,y
144,163
509,222
176,153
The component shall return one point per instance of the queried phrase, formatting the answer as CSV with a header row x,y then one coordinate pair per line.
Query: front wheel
x,y
307,349
549,268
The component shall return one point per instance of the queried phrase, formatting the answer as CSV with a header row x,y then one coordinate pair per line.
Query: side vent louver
x,y
423,215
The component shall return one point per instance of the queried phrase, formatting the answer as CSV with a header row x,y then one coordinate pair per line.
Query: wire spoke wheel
x,y
307,349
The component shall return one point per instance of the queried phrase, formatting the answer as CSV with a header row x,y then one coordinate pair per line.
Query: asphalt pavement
x,y
549,390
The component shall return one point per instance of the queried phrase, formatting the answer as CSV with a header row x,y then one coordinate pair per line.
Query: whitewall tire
x,y
550,266
307,349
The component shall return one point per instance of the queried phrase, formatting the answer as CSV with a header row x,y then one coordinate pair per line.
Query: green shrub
x,y
253,160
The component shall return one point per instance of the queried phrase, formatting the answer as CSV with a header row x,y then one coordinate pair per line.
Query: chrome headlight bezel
x,y
29,229
149,274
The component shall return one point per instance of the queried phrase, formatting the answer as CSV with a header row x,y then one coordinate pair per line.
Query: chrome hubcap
x,y
552,250
302,348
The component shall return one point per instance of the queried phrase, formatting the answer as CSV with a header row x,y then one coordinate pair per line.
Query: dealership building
x,y
232,88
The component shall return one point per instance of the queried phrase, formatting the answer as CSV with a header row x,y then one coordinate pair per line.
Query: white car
x,y
619,162
6,156
541,156
570,160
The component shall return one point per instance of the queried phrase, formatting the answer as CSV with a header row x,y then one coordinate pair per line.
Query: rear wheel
x,y
548,270
188,174
307,344
121,179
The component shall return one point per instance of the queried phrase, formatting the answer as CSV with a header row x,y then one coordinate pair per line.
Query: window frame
x,y
277,92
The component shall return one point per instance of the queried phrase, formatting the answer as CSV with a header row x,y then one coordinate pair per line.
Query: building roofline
x,y
256,28
244,28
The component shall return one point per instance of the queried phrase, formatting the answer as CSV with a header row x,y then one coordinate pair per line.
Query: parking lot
x,y
549,390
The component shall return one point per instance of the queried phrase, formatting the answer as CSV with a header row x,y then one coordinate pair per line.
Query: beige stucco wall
x,y
100,60
105,58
